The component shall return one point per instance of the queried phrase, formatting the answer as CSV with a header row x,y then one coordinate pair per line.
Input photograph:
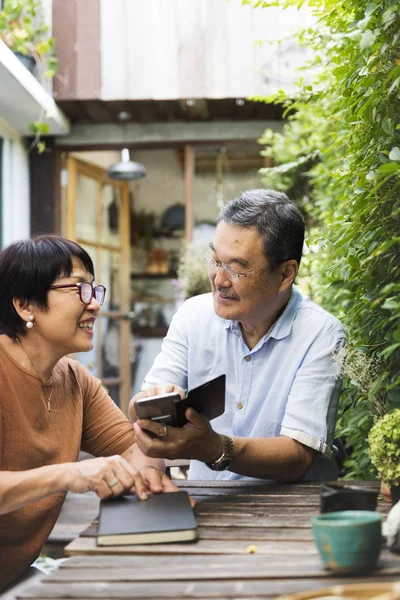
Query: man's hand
x,y
107,476
154,390
195,440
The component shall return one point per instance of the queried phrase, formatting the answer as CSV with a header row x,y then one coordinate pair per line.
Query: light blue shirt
x,y
288,384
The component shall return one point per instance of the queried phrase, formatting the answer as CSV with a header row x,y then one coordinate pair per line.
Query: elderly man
x,y
276,347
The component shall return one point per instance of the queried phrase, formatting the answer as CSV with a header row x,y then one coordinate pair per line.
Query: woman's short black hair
x,y
28,268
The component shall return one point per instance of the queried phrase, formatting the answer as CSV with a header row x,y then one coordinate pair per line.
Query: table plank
x,y
201,567
210,533
255,589
82,546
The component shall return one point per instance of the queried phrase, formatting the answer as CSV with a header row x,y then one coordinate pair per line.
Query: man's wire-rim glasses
x,y
86,291
231,273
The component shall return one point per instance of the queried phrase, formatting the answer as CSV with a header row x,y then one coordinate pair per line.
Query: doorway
x,y
97,216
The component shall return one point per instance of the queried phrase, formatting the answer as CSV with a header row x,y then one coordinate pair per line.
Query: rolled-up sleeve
x,y
311,409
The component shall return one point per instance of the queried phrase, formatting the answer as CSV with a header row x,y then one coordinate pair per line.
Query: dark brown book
x,y
161,518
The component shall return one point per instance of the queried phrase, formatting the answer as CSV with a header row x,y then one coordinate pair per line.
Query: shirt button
x,y
247,358
239,405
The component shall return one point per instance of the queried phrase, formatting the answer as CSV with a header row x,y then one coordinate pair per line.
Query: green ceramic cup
x,y
348,541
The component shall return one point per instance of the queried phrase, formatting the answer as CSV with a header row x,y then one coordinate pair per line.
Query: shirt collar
x,y
282,326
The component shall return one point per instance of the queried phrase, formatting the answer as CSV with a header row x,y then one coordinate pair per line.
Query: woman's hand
x,y
156,480
107,477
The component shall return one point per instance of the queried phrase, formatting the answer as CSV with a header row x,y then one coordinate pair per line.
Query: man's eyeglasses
x,y
86,291
233,275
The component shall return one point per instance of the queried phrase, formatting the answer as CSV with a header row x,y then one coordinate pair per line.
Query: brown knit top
x,y
82,416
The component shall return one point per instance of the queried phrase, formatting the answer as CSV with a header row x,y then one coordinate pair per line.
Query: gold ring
x,y
165,433
112,483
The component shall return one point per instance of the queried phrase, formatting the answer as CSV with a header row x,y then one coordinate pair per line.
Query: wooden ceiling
x,y
164,111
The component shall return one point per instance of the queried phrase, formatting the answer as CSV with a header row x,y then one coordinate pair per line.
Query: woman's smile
x,y
87,325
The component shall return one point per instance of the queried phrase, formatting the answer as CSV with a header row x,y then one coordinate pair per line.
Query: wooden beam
x,y
135,135
188,160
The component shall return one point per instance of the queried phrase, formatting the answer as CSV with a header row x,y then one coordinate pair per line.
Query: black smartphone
x,y
158,408
208,399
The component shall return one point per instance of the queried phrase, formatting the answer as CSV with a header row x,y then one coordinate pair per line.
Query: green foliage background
x,y
384,443
339,158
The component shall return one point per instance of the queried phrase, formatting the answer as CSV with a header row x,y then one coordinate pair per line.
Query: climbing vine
x,y
339,158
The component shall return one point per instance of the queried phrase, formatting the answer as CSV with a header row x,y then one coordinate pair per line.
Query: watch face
x,y
224,464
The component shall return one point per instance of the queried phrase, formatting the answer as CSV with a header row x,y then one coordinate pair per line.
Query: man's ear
x,y
23,308
289,270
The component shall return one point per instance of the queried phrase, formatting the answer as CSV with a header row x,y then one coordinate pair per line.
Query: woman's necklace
x,y
48,398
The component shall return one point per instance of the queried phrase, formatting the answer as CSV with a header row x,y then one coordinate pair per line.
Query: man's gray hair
x,y
277,219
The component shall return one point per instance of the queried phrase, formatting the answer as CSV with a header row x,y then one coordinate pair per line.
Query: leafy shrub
x,y
339,157
384,443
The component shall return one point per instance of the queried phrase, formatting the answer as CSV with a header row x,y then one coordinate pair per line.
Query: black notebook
x,y
161,518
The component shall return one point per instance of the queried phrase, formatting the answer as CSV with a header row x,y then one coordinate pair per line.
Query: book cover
x,y
161,518
208,399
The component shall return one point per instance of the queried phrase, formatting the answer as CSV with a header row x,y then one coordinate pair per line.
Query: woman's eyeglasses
x,y
86,291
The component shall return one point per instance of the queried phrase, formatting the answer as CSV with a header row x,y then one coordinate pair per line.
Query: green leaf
x,y
387,126
388,168
41,147
391,304
353,262
43,128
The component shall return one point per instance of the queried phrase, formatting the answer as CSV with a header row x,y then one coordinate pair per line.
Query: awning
x,y
23,99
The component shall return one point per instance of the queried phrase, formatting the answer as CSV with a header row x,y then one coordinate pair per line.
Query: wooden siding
x,y
76,27
195,49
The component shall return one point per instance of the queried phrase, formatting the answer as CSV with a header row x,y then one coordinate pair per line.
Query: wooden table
x,y
255,542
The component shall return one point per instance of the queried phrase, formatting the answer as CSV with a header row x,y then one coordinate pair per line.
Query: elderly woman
x,y
50,406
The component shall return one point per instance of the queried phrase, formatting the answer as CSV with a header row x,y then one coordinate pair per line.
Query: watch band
x,y
223,462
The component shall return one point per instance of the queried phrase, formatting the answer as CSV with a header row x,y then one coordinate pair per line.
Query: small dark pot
x,y
337,496
395,493
27,60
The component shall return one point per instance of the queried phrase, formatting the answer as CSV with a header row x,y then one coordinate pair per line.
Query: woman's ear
x,y
289,270
23,308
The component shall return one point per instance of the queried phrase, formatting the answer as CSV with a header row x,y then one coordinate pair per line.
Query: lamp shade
x,y
126,169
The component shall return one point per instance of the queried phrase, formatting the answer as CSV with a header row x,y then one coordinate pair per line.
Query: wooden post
x,y
70,205
125,305
188,161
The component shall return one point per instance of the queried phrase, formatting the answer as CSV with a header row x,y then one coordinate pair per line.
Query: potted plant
x,y
192,271
384,450
24,31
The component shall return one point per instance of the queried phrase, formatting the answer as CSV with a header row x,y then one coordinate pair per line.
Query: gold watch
x,y
223,462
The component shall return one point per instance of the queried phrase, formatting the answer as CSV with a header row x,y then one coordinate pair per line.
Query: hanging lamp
x,y
126,169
